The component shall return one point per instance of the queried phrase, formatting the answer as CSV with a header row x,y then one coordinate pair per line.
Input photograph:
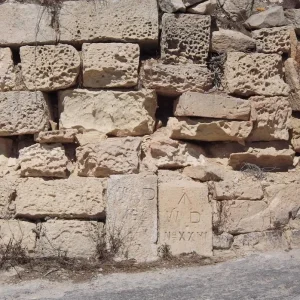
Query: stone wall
x,y
131,125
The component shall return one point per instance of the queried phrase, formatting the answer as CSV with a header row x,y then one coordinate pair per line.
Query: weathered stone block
x,y
56,136
185,217
293,79
111,112
75,197
49,68
185,38
90,137
110,65
295,124
7,197
173,80
205,172
132,216
191,104
254,74
108,157
292,15
205,8
126,21
23,113
222,241
171,6
42,160
7,74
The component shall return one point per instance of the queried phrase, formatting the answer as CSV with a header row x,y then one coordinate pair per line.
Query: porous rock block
x,y
184,128
126,21
69,239
43,160
7,197
7,74
295,124
17,232
111,112
293,80
110,65
254,74
185,38
56,136
173,80
132,216
185,217
108,157
191,104
17,29
49,68
75,197
23,113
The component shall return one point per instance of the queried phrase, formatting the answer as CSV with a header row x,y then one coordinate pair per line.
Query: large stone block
x,y
126,21
185,217
75,197
209,131
110,65
293,16
132,216
43,160
254,74
185,38
111,112
16,28
108,157
205,8
7,197
49,68
173,80
23,113
56,136
61,238
171,6
7,74
191,104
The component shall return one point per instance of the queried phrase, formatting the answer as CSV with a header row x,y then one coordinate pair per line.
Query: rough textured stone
x,y
295,124
169,176
110,65
49,68
23,113
204,8
171,6
17,29
69,238
108,157
188,3
132,216
222,241
126,20
111,112
185,38
42,160
7,197
56,136
271,117
226,40
185,217
75,197
7,74
205,172
196,129
173,80
90,137
293,16
255,74
191,104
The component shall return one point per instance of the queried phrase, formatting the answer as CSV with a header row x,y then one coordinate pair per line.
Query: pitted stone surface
x,y
110,65
72,198
49,68
56,136
185,38
110,112
255,74
293,79
7,74
23,113
7,197
132,215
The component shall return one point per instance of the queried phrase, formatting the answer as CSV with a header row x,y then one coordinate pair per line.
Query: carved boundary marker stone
x,y
185,217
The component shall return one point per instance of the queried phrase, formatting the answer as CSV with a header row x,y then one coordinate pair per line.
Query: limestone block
x,y
188,3
191,104
185,217
295,134
49,68
56,136
254,74
23,113
7,74
90,137
69,238
273,40
185,38
110,65
271,118
205,172
6,147
17,29
43,160
18,232
171,6
108,157
199,130
132,216
226,40
7,197
204,8
173,80
293,15
75,197
171,176
126,21
111,112
222,241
